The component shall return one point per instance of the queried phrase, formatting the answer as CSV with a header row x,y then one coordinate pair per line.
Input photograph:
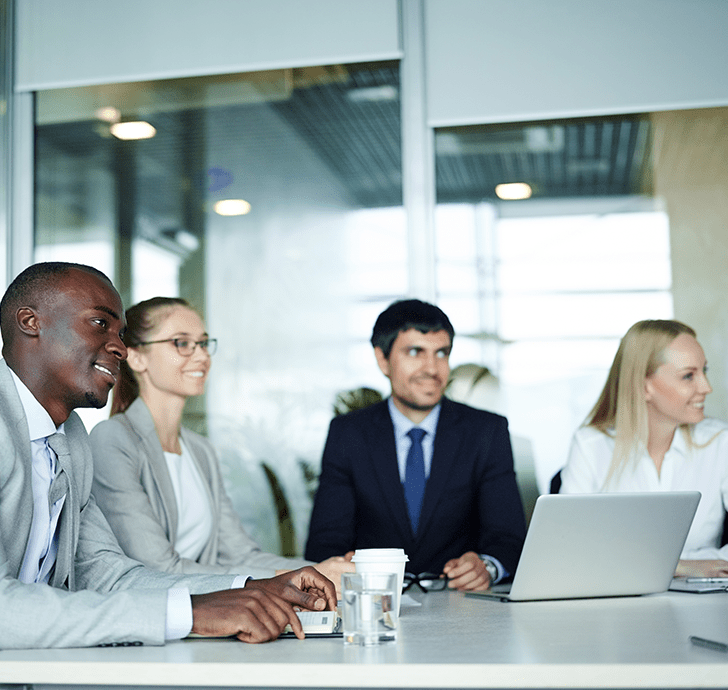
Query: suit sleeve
x,y
332,529
41,616
503,526
101,564
116,599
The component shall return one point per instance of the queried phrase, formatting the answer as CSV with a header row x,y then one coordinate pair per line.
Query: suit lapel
x,y
447,441
383,452
11,409
142,425
79,469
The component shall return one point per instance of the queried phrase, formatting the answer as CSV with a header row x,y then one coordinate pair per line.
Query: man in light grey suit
x,y
64,581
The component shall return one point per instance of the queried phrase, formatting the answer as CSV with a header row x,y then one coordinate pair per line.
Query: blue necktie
x,y
414,476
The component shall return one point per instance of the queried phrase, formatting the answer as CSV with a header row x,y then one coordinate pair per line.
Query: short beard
x,y
94,401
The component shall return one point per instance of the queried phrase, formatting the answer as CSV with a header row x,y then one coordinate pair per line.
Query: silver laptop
x,y
600,545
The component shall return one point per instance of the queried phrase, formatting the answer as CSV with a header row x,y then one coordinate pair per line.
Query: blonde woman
x,y
159,484
648,432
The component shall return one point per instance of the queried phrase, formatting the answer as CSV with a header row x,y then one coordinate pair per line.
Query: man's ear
x,y
136,360
27,320
382,361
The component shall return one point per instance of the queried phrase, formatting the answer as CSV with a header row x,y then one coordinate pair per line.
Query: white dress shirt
x,y
702,466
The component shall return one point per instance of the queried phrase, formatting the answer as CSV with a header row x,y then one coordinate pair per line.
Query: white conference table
x,y
451,641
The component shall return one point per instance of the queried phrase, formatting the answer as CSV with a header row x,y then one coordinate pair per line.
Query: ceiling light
x,y
513,190
372,94
129,131
108,114
232,207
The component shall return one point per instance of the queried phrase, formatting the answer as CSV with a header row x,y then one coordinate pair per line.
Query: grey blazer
x,y
133,489
96,595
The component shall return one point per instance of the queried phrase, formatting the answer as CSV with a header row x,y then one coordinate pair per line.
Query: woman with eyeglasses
x,y
158,483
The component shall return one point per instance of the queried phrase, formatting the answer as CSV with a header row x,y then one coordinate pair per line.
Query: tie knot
x,y
59,444
416,434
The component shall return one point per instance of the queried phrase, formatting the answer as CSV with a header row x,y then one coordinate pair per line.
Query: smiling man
x,y
419,471
64,581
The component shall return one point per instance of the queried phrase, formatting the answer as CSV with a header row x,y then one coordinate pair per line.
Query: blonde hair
x,y
621,409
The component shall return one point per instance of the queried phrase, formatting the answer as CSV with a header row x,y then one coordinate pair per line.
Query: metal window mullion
x,y
21,230
418,158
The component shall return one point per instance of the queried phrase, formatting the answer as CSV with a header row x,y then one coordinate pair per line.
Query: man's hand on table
x,y
467,572
261,610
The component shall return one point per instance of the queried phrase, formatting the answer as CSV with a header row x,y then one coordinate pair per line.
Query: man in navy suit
x,y
419,471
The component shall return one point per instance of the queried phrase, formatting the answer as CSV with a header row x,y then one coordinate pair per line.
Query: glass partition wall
x,y
550,245
272,201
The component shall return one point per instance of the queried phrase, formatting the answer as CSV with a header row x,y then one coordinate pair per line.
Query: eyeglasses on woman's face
x,y
186,347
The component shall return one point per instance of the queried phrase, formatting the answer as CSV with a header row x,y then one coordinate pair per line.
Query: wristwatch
x,y
492,570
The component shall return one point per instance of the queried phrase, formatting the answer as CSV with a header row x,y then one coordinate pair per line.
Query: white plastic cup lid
x,y
379,555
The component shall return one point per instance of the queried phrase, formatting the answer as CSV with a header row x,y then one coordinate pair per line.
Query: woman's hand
x,y
717,568
334,567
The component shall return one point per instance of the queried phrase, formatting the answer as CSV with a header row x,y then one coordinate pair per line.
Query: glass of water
x,y
368,608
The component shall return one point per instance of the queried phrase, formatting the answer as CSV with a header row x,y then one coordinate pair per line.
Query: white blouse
x,y
684,468
194,514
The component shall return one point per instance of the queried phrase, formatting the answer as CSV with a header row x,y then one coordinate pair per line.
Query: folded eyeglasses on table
x,y
427,582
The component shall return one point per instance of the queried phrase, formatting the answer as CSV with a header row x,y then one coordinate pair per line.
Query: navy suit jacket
x,y
471,500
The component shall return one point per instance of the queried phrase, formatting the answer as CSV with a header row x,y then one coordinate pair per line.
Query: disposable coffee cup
x,y
383,561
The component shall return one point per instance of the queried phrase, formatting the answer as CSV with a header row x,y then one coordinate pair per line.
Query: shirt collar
x,y
40,423
402,424
678,442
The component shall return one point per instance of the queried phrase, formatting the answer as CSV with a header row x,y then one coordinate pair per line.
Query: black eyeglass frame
x,y
437,582
208,345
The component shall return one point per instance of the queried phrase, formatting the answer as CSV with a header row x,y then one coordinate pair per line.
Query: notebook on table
x,y
600,545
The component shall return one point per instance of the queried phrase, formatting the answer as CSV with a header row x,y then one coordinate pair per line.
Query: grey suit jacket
x,y
97,595
134,491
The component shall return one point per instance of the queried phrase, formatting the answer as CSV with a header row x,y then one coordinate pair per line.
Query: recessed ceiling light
x,y
373,94
231,207
129,131
513,190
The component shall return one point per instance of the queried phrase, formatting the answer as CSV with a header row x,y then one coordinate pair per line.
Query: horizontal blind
x,y
64,43
520,60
